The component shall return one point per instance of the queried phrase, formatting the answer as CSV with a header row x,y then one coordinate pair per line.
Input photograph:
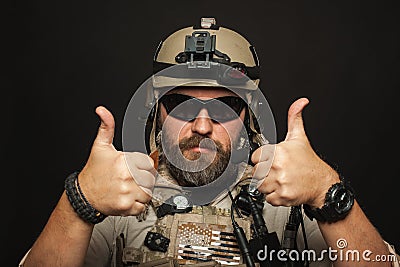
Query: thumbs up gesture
x,y
115,182
290,172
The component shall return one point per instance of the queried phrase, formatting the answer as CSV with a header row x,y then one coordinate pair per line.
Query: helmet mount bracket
x,y
200,46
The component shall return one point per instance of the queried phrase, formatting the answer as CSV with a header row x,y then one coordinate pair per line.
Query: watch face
x,y
181,202
343,200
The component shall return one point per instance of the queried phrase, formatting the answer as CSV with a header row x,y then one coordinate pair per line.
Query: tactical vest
x,y
202,237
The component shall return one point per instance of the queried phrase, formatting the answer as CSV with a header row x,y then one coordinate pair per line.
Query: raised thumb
x,y
295,119
105,134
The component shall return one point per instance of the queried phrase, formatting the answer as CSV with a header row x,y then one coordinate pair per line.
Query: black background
x,y
72,56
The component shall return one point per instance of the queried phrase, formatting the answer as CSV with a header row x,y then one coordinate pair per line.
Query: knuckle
x,y
126,175
136,154
256,155
122,161
273,201
137,208
141,156
255,169
281,180
281,153
120,157
266,151
147,198
285,194
262,188
278,149
124,203
261,169
281,149
278,162
124,188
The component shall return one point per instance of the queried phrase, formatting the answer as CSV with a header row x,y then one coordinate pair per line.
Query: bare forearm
x,y
359,235
64,240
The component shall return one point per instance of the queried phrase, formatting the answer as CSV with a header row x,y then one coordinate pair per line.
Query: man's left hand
x,y
297,175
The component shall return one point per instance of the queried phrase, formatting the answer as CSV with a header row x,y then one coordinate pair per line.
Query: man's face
x,y
202,141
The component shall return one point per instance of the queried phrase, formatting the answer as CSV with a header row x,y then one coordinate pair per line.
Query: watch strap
x,y
328,213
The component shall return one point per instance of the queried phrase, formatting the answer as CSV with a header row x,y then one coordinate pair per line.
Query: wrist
x,y
84,183
339,200
330,178
79,202
67,214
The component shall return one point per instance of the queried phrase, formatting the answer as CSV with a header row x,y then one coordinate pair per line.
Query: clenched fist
x,y
291,173
115,182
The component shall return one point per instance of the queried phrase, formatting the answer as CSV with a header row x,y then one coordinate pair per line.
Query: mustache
x,y
195,140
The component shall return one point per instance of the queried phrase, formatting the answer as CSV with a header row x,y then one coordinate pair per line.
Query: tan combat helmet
x,y
207,55
208,43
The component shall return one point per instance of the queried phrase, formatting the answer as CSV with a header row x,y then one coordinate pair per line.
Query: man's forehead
x,y
203,92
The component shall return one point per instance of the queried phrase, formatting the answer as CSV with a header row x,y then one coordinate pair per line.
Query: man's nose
x,y
202,124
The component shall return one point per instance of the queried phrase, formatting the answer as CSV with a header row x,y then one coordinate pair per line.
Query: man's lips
x,y
201,149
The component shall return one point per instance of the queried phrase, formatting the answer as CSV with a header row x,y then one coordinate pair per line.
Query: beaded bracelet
x,y
79,202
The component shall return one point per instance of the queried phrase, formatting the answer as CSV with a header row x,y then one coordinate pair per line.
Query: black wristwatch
x,y
338,202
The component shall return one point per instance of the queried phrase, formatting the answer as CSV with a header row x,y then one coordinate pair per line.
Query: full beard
x,y
193,160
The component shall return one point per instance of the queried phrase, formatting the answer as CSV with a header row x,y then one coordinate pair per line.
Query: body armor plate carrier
x,y
202,237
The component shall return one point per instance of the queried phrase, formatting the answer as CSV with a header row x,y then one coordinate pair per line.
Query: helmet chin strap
x,y
248,144
151,131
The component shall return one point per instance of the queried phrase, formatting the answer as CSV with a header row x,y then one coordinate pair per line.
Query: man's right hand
x,y
110,178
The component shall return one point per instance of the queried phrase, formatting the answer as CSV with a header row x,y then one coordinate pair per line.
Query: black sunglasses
x,y
187,108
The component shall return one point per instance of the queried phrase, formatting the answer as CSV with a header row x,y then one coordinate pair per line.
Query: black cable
x,y
304,234
258,219
290,236
236,208
241,238
303,230
290,233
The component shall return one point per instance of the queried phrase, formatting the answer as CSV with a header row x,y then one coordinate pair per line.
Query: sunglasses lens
x,y
186,111
179,106
225,108
187,108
